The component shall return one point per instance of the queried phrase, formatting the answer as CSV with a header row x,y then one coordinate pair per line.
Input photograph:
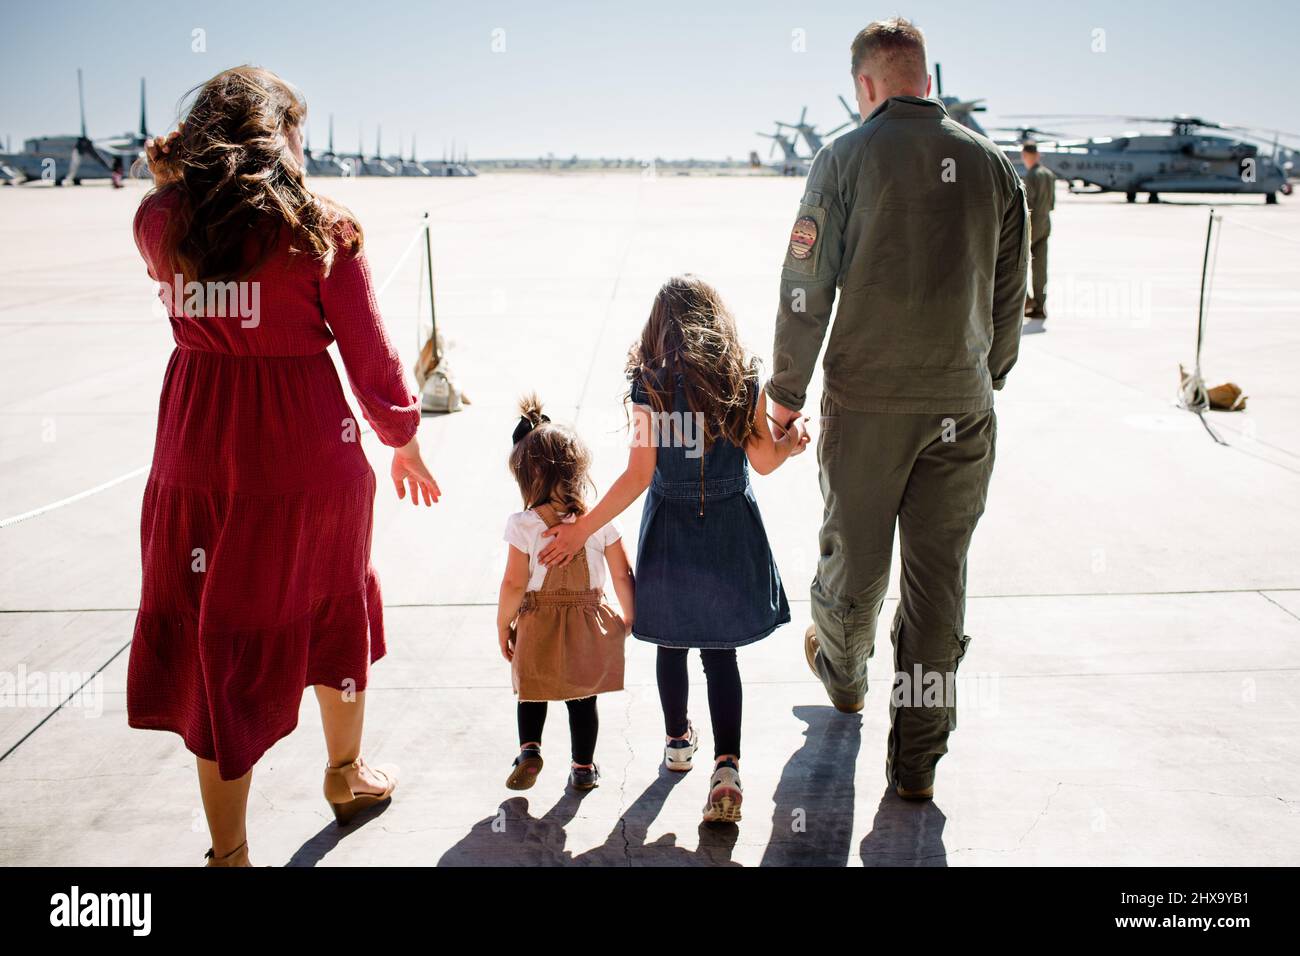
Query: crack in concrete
x,y
1042,813
622,785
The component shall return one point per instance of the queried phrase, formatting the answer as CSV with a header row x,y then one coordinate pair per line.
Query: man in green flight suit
x,y
1040,191
921,226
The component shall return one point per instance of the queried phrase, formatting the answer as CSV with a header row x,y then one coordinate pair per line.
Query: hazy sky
x,y
672,79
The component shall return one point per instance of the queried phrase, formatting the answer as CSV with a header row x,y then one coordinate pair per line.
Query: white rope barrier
x,y
1264,232
144,469
72,499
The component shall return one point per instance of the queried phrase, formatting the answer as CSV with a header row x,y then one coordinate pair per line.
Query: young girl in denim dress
x,y
705,574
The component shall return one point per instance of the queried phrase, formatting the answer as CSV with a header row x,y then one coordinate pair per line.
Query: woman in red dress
x,y
256,526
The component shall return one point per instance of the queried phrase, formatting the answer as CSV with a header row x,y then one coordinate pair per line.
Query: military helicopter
x,y
792,164
61,159
808,131
407,167
1187,159
370,166
326,163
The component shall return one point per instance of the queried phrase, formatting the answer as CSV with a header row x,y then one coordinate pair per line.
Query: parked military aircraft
x,y
370,165
808,131
407,167
326,163
1188,159
69,158
792,164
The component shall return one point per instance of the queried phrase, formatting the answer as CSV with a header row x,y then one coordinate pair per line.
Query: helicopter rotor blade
x,y
81,101
853,114
144,123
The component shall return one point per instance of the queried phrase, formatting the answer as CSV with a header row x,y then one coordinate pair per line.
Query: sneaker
x,y
680,751
584,778
527,765
1033,326
725,794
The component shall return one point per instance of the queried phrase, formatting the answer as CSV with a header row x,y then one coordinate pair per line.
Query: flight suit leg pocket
x,y
962,642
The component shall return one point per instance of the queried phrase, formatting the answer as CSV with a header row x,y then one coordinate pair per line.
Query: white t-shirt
x,y
524,531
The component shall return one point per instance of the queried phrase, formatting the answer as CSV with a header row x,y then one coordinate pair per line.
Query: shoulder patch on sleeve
x,y
803,237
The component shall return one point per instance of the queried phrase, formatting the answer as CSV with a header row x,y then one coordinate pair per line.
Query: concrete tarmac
x,y
1129,696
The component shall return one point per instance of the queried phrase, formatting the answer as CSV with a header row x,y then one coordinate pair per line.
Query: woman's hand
x,y
154,151
568,538
505,637
411,474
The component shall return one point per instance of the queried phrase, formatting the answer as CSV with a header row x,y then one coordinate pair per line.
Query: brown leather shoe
x,y
925,794
344,801
236,857
810,647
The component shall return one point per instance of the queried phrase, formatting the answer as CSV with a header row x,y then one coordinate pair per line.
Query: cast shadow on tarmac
x,y
512,837
812,822
330,835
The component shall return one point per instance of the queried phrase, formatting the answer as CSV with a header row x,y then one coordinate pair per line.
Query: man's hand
x,y
567,539
779,413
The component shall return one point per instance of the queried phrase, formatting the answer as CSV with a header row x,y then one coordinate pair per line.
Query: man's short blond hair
x,y
895,48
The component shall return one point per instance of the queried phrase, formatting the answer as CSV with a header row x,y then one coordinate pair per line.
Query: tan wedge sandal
x,y
236,857
345,803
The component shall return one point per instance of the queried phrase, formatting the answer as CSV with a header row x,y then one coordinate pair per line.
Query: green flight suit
x,y
921,227
1040,192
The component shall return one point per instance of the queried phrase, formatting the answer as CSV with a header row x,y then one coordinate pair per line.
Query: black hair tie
x,y
525,426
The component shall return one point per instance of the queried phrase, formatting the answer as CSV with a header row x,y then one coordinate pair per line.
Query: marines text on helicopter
x,y
1187,159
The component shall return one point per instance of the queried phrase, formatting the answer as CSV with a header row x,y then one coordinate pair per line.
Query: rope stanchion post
x,y
439,392
433,311
1193,394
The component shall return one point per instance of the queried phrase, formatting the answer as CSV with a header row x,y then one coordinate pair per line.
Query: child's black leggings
x,y
584,724
723,678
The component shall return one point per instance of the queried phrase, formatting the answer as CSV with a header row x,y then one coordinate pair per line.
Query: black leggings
x,y
584,724
723,678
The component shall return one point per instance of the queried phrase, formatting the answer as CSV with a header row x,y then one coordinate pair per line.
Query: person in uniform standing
x,y
921,226
1040,192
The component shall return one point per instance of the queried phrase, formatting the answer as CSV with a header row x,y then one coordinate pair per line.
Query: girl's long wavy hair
x,y
240,187
692,335
551,464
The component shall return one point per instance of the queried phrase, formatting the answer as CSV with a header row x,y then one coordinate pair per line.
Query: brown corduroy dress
x,y
568,642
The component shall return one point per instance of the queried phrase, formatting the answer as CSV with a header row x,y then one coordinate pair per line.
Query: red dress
x,y
255,531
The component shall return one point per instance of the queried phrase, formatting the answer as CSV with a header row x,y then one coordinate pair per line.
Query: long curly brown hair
x,y
551,464
691,335
241,189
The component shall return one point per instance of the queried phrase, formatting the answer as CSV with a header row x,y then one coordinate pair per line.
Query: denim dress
x,y
705,576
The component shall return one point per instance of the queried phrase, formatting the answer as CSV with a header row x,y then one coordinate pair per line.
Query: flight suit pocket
x,y
828,429
803,253
963,642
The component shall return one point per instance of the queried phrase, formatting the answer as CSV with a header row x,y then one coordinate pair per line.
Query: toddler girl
x,y
562,640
